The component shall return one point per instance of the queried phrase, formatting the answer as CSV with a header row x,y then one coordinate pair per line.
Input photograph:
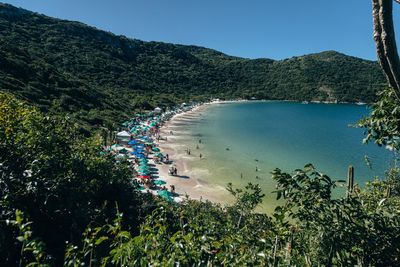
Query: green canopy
x,y
124,151
155,149
165,195
143,168
159,182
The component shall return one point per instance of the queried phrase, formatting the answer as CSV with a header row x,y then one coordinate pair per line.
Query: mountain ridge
x,y
97,76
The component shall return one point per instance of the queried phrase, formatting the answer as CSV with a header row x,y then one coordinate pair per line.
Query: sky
x,y
244,28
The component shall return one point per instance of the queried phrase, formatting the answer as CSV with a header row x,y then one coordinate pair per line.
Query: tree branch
x,y
385,41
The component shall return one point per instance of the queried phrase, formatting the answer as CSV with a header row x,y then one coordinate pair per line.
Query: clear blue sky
x,y
248,28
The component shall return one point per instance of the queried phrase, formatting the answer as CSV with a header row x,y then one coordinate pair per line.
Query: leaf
x,y
101,240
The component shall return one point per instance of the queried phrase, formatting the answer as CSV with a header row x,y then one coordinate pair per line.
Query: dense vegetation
x,y
97,76
63,202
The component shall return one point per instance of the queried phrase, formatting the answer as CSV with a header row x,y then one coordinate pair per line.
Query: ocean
x,y
245,141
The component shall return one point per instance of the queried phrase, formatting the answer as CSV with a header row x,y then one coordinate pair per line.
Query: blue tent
x,y
133,142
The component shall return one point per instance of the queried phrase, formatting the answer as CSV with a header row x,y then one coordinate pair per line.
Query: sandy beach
x,y
189,180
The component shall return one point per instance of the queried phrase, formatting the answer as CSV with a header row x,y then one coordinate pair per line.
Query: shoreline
x,y
189,181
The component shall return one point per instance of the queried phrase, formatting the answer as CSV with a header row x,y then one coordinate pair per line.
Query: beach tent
x,y
123,137
133,142
157,110
123,151
159,182
165,195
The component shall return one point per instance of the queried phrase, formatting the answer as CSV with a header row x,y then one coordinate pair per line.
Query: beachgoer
x,y
241,175
176,171
257,177
167,157
172,188
197,146
227,148
199,141
189,152
201,155
256,169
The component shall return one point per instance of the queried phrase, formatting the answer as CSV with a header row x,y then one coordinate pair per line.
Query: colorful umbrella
x,y
165,194
159,182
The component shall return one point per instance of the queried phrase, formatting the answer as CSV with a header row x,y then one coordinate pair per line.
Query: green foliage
x,y
357,230
99,77
57,178
383,125
32,249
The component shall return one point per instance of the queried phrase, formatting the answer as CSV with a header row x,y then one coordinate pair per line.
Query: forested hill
x,y
95,75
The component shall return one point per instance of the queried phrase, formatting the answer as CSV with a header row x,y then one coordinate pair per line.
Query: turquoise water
x,y
237,138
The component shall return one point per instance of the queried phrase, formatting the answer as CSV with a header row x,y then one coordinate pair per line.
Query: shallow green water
x,y
267,135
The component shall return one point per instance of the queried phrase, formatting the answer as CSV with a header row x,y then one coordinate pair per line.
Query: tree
x,y
384,36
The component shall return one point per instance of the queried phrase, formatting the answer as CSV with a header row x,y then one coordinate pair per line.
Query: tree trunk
x,y
385,41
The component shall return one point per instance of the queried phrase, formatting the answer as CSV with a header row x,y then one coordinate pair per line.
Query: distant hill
x,y
98,77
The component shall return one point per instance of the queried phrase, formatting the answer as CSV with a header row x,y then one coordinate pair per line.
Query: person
x,y
256,169
167,157
241,175
199,141
175,171
201,155
172,188
189,152
197,146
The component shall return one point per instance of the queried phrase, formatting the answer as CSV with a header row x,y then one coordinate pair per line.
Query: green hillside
x,y
98,77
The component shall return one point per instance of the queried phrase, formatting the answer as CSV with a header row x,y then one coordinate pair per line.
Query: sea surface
x,y
245,142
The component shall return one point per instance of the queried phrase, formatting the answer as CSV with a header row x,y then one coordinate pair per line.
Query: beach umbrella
x,y
132,142
165,195
140,156
144,176
124,151
160,155
143,168
159,182
155,149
